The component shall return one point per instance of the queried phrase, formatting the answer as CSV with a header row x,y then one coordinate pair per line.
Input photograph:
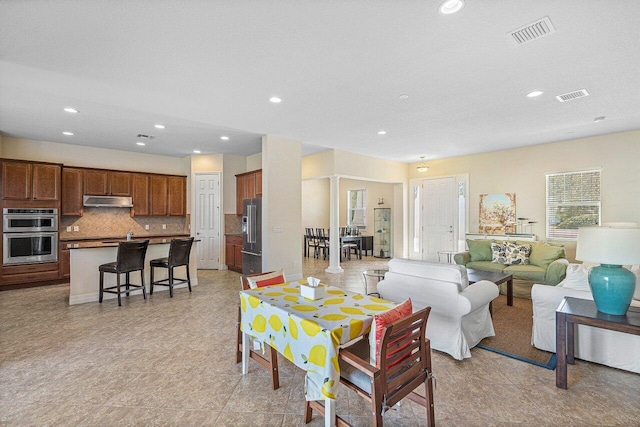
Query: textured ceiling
x,y
207,68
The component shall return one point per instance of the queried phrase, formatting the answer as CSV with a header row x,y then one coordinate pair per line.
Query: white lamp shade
x,y
609,245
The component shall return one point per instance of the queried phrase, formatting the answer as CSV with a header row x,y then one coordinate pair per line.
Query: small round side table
x,y
378,273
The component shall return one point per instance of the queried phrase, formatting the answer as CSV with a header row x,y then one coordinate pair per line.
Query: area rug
x,y
513,333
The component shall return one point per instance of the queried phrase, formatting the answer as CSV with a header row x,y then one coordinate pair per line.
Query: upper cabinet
x,y
158,195
120,183
30,181
151,194
248,186
72,179
107,183
177,200
140,194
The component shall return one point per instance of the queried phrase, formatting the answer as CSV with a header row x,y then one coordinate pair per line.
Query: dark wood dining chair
x,y
347,246
403,363
312,241
272,362
179,251
130,258
323,242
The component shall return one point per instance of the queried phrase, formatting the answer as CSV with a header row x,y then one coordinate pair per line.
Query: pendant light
x,y
422,167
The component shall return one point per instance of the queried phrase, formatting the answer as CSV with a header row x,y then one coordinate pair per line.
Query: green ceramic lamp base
x,y
612,287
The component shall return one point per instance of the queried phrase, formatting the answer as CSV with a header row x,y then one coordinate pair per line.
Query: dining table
x,y
308,333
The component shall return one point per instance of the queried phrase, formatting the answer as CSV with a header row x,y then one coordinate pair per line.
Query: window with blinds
x,y
573,200
357,208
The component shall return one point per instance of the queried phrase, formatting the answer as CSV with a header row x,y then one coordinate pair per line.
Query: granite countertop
x,y
112,243
122,238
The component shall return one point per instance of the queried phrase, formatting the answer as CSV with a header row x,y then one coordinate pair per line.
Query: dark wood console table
x,y
575,311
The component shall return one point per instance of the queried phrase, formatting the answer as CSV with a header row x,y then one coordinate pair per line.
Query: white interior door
x,y
207,219
439,216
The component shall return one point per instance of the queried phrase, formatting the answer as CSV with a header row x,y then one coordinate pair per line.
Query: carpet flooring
x,y
513,332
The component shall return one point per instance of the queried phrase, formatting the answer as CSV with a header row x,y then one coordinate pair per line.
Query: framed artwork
x,y
497,213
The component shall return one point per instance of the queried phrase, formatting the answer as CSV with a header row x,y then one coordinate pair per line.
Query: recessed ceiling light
x,y
382,132
599,119
404,96
197,151
70,110
67,133
140,143
224,138
159,126
451,6
275,99
534,93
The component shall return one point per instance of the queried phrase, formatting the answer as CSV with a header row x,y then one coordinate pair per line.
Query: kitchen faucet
x,y
129,234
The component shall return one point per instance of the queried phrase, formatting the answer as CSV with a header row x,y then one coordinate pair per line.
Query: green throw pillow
x,y
543,254
480,250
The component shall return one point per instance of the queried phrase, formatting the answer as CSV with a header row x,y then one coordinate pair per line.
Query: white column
x,y
334,223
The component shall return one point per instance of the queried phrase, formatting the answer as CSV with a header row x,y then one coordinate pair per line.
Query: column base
x,y
334,269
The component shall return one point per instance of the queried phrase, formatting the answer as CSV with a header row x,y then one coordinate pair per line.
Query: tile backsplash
x,y
232,224
116,222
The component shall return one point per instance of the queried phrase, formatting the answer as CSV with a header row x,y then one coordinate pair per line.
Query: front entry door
x,y
207,220
439,217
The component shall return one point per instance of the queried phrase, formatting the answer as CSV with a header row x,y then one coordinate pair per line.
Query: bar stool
x,y
179,251
130,258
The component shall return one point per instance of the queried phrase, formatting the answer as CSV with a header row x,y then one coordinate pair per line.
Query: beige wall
x,y
315,203
281,206
91,157
522,171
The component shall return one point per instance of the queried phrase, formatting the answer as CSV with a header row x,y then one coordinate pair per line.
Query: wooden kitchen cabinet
x,y
72,188
107,183
96,182
158,195
26,273
248,186
258,179
140,194
119,183
177,197
233,253
30,181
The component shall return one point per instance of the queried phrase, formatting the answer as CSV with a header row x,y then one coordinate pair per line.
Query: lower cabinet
x,y
15,274
233,253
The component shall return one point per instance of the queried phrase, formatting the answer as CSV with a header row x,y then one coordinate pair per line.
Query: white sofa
x,y
609,348
459,317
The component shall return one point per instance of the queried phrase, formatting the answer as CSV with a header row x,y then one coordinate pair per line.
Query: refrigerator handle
x,y
251,213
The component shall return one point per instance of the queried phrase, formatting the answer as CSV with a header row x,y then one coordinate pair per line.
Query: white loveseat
x,y
609,348
459,317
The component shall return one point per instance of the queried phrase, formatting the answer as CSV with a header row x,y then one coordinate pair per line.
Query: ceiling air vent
x,y
143,136
530,32
570,96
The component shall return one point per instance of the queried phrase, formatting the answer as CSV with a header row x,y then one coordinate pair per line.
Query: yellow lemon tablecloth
x,y
309,333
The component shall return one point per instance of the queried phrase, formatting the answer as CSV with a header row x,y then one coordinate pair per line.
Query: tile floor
x,y
171,362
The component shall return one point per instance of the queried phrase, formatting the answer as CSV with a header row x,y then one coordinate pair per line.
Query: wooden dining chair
x,y
323,242
272,362
403,363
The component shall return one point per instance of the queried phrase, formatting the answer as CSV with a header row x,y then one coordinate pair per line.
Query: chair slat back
x,y
403,357
245,283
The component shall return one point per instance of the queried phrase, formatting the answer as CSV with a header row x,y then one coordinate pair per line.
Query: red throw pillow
x,y
272,281
402,310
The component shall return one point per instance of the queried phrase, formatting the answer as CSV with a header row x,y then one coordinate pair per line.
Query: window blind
x,y
573,200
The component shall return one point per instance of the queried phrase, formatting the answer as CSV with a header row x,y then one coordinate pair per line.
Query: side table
x,y
378,273
575,311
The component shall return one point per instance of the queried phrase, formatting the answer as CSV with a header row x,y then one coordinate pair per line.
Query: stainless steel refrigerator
x,y
252,236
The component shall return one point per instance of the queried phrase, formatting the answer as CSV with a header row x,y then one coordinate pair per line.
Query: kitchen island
x,y
86,257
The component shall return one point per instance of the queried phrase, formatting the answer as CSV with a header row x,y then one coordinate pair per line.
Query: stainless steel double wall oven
x,y
29,236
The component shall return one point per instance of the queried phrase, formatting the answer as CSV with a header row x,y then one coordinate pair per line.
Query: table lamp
x,y
612,285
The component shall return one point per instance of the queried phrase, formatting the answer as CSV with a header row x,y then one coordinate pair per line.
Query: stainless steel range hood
x,y
107,202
